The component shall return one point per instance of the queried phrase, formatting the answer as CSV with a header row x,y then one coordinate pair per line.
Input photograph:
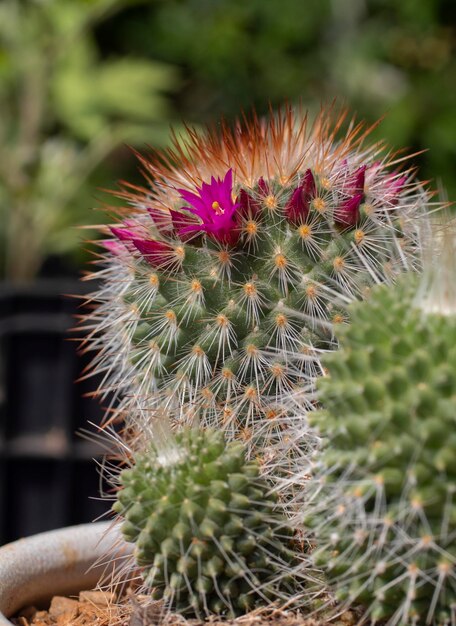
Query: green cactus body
x,y
217,296
209,536
384,509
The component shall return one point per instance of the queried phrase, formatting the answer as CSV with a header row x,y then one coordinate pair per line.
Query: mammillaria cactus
x,y
384,499
209,535
234,234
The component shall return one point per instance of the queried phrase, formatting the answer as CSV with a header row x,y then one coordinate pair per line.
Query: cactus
x,y
209,535
383,502
214,265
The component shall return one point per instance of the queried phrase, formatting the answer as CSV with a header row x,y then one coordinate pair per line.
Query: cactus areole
x,y
218,282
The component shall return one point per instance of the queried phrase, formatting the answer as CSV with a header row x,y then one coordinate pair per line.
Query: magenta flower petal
x,y
114,247
156,253
310,187
358,179
347,214
161,220
181,223
394,185
198,205
124,234
263,186
297,207
248,206
354,183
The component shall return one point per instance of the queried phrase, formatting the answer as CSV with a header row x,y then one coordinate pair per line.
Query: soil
x,y
102,608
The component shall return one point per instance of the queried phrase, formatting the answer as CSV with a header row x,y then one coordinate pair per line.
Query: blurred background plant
x,y
380,56
64,109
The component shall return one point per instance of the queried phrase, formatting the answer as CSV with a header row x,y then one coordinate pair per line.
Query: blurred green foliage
x,y
378,56
64,109
78,78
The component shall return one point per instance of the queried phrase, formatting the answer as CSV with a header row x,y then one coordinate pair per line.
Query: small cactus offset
x,y
209,536
383,507
235,234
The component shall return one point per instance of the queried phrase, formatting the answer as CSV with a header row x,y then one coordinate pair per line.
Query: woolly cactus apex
x,y
384,504
209,535
237,239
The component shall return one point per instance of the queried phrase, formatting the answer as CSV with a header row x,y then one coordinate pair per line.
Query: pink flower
x,y
298,205
213,204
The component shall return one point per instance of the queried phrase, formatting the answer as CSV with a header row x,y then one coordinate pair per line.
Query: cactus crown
x,y
209,534
388,471
239,238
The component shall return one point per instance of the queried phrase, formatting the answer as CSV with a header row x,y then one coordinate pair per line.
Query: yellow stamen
x,y
271,202
217,208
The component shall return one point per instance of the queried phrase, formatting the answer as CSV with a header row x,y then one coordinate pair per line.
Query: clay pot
x,y
59,562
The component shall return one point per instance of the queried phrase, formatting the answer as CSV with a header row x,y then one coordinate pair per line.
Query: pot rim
x,y
58,562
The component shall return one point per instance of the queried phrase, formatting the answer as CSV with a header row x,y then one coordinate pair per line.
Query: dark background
x,y
80,80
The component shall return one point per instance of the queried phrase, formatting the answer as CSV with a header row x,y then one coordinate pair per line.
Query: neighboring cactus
x,y
209,535
383,502
200,289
